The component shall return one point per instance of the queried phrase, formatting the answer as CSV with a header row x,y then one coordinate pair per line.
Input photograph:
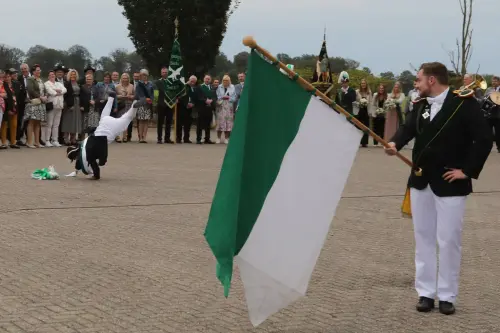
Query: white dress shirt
x,y
111,127
436,103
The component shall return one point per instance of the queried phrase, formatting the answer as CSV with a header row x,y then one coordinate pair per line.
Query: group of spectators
x,y
57,111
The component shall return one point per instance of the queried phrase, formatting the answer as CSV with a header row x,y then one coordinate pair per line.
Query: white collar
x,y
439,99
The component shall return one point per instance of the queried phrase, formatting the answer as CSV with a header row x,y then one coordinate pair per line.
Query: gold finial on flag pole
x,y
176,22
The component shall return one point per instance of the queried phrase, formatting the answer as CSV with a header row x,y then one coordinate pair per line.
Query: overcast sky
x,y
384,35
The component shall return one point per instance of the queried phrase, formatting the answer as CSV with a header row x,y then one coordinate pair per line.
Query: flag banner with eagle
x,y
175,83
323,72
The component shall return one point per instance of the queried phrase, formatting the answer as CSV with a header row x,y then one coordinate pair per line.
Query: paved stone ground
x,y
127,254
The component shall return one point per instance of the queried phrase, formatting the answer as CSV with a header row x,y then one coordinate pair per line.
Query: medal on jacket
x,y
426,114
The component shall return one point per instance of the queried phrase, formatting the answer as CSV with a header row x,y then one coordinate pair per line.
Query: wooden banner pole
x,y
175,122
250,42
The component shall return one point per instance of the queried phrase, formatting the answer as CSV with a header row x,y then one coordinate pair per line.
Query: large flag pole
x,y
250,42
176,22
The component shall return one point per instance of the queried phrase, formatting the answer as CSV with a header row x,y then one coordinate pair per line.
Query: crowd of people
x,y
35,113
38,113
385,111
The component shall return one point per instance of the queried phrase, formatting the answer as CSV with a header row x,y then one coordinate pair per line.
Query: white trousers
x,y
50,129
437,220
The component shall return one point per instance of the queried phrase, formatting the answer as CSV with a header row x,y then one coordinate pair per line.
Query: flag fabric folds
x,y
285,168
175,82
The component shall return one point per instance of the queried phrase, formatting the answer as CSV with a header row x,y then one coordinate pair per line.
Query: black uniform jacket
x,y
458,137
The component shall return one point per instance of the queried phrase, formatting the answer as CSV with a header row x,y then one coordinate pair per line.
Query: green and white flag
x,y
285,168
175,82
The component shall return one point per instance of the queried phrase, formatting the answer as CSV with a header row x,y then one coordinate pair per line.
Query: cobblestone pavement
x,y
127,254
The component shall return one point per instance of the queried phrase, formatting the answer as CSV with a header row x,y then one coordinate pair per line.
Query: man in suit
x,y
165,113
238,89
494,112
205,111
188,104
452,143
21,102
346,95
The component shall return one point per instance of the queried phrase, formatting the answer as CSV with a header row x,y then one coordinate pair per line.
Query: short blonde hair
x,y
124,75
68,76
226,78
144,72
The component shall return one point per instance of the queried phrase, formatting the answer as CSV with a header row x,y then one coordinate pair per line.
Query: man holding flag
x,y
173,86
452,143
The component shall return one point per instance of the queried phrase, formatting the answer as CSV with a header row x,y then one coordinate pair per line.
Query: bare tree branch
x,y
460,58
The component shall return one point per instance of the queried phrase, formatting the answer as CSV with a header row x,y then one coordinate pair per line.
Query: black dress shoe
x,y
21,144
178,141
188,141
198,142
168,141
209,142
446,308
15,147
425,304
159,142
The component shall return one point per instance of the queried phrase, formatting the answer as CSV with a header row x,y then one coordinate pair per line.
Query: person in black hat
x,y
60,71
87,70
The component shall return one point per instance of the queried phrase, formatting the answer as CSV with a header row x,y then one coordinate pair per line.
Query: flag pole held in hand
x,y
250,42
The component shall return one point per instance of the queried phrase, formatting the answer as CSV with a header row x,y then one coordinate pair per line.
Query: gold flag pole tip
x,y
418,172
249,42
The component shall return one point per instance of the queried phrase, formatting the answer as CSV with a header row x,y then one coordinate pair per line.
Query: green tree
x,y
47,58
222,66
10,57
77,57
202,25
388,75
284,58
406,78
240,61
120,61
136,62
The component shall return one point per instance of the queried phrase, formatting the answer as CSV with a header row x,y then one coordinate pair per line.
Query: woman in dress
x,y
72,123
8,93
105,89
225,113
55,95
364,95
145,90
394,116
87,103
378,111
35,111
125,93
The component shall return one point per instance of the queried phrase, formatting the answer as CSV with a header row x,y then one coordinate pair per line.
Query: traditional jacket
x,y
345,99
458,137
209,93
